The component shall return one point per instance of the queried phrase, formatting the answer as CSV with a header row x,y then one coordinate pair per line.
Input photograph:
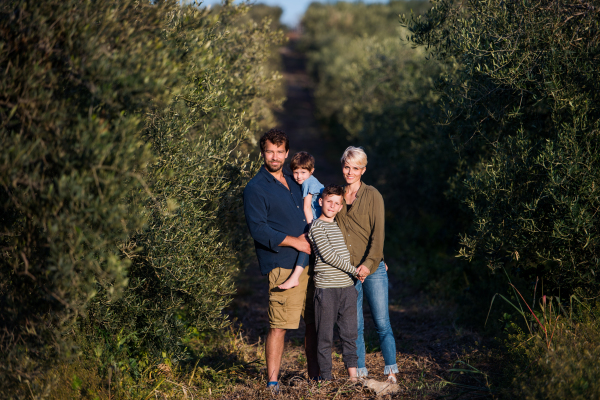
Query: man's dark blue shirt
x,y
272,213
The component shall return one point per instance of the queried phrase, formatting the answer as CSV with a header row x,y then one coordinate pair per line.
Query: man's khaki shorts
x,y
287,306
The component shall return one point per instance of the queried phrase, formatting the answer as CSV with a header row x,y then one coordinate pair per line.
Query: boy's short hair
x,y
276,137
302,160
332,190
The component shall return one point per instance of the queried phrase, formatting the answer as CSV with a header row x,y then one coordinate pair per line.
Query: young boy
x,y
335,295
303,166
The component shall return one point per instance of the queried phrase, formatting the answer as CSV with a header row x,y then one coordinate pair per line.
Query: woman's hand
x,y
362,272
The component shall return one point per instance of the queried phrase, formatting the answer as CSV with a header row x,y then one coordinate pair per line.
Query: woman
x,y
361,220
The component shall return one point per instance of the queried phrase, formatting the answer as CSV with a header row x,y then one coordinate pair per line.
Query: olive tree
x,y
74,76
524,108
181,279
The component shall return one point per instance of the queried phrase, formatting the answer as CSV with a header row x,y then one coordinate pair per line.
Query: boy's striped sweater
x,y
332,267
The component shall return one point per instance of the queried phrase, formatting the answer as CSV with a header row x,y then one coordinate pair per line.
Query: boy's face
x,y
331,205
301,174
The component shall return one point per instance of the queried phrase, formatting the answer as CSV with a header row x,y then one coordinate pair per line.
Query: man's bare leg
x,y
310,347
274,352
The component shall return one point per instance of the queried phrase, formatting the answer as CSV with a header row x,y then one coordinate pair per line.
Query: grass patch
x,y
559,359
217,363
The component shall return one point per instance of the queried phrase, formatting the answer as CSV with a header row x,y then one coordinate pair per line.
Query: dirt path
x,y
428,343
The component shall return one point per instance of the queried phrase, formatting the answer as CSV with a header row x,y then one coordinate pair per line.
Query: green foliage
x,y
327,23
182,276
374,90
74,75
358,61
258,13
123,132
559,360
219,361
524,107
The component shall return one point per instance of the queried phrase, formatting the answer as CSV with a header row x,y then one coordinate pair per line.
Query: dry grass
x,y
428,346
419,378
558,357
228,367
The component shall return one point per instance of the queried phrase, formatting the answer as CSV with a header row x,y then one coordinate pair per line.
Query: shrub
x,y
524,104
181,279
559,360
74,75
124,128
375,91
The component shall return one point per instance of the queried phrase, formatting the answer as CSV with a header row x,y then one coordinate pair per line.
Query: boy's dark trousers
x,y
336,305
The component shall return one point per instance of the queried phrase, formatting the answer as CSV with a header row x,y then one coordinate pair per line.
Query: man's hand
x,y
362,272
300,243
304,244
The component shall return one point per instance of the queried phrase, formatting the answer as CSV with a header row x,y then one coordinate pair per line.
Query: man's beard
x,y
272,170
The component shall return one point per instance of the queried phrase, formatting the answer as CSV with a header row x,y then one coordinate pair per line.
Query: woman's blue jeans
x,y
375,289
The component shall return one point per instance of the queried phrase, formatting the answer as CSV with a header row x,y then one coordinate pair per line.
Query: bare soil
x,y
428,341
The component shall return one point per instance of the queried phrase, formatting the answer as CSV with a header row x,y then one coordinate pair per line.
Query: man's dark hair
x,y
276,137
302,160
335,190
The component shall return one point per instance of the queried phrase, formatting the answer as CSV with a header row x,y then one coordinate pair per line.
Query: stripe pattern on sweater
x,y
332,266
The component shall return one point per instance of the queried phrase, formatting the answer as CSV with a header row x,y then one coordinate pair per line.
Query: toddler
x,y
303,166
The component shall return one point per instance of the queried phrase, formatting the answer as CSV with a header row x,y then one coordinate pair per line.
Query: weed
x,y
556,356
216,363
301,359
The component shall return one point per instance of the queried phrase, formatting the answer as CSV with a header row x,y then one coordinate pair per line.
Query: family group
x,y
322,250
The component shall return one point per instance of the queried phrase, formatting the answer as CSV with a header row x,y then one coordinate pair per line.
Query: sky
x,y
292,9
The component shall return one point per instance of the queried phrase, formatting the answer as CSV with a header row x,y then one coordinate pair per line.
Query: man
x,y
274,211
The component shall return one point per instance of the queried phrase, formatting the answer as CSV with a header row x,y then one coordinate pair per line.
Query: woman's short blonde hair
x,y
355,156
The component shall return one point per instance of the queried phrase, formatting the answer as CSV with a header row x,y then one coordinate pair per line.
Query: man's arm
x,y
308,208
300,243
255,210
319,237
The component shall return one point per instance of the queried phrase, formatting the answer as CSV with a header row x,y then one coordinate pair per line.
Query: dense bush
x,y
181,278
525,103
558,360
523,110
74,75
357,60
374,90
121,130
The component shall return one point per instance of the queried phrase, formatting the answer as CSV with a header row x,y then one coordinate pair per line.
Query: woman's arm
x,y
375,248
308,208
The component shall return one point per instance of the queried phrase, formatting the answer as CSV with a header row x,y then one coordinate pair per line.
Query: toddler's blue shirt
x,y
314,187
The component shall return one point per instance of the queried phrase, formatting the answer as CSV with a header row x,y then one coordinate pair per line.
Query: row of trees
x,y
482,124
125,129
483,121
374,90
525,102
